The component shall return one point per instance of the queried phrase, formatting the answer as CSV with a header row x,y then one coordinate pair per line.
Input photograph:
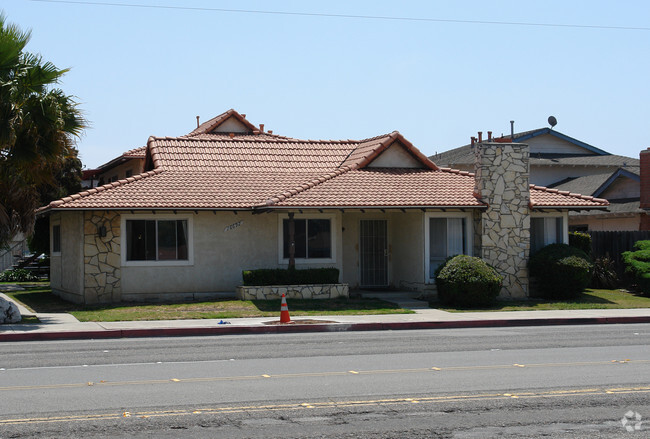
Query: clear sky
x,y
141,71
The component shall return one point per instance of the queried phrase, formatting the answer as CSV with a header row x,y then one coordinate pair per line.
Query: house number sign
x,y
233,226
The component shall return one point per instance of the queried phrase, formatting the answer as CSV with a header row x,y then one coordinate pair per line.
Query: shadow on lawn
x,y
584,298
41,300
45,302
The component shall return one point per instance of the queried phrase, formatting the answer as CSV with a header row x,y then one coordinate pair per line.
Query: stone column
x,y
502,182
102,264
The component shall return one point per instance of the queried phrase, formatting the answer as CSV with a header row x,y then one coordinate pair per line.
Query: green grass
x,y
40,299
589,299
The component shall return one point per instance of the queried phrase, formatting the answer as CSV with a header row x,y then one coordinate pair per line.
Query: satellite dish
x,y
552,121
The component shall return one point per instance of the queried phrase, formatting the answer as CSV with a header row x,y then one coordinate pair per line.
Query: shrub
x,y
285,276
561,271
604,275
466,281
17,275
580,240
637,263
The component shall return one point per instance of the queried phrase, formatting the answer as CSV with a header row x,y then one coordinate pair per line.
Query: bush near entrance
x,y
561,271
467,281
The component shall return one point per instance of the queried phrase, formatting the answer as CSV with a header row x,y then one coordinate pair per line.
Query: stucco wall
x,y
408,250
66,268
607,224
405,248
224,244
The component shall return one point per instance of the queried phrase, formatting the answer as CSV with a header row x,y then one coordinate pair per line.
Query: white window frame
x,y
305,261
565,223
469,236
56,223
152,263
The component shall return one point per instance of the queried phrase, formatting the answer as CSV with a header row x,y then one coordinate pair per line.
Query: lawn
x,y
40,299
589,299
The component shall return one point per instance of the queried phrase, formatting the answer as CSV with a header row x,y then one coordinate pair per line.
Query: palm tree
x,y
38,128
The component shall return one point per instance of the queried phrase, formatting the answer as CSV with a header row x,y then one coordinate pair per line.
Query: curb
x,y
297,328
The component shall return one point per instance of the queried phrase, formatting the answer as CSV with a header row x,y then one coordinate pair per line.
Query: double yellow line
x,y
329,405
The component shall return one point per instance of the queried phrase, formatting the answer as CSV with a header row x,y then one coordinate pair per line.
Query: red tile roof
x,y
256,171
543,197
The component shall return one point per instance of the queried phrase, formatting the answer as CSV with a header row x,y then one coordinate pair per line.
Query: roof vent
x,y
197,121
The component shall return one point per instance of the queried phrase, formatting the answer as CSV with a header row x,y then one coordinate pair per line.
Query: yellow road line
x,y
329,404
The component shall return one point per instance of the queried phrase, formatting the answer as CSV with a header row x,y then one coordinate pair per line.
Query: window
x,y
129,173
545,231
312,237
56,238
447,237
156,240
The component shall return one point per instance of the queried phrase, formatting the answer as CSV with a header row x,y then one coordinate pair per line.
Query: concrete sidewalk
x,y
65,326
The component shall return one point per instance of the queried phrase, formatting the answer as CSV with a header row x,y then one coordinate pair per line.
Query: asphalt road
x,y
577,381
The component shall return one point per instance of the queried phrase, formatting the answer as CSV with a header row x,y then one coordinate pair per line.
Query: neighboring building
x,y
562,162
127,165
226,197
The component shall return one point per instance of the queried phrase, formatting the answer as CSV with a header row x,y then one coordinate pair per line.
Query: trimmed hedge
x,y
580,240
637,263
467,281
561,271
17,275
285,276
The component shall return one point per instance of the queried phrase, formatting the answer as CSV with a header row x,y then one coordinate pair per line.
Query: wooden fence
x,y
612,244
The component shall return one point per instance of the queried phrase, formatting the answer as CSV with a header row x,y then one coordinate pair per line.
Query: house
x,y
226,196
128,164
564,163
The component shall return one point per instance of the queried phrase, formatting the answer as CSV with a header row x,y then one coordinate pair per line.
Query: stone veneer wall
x,y
502,181
272,292
102,264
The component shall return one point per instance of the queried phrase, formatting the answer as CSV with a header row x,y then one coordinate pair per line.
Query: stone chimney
x,y
502,182
644,157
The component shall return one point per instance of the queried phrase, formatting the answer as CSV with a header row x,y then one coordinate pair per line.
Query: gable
x,y
622,186
549,144
396,156
231,125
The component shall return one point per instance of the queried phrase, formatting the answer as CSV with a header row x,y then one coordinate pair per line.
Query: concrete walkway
x,y
65,326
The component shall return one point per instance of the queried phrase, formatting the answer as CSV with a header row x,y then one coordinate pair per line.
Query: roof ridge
x,y
306,186
377,137
569,194
457,171
105,187
263,140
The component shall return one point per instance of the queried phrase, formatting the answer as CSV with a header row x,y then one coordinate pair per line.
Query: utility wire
x,y
364,17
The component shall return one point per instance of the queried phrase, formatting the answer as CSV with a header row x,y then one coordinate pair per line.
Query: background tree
x,y
39,125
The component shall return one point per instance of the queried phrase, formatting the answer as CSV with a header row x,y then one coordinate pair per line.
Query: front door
x,y
373,253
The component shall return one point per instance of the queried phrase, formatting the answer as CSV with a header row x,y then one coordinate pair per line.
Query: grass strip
x,y
41,300
589,299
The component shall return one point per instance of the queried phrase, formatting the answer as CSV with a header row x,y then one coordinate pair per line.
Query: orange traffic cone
x,y
284,311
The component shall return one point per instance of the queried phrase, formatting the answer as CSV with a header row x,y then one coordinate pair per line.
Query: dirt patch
x,y
300,322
